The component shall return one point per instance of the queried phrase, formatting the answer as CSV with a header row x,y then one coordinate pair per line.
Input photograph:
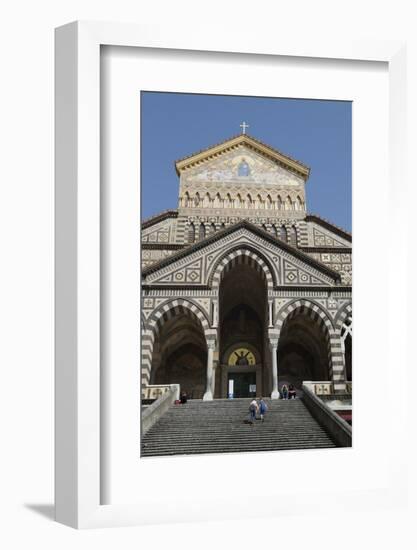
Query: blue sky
x,y
316,132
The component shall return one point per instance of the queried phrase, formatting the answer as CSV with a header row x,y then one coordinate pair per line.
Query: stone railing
x,y
155,391
320,388
325,387
152,413
340,430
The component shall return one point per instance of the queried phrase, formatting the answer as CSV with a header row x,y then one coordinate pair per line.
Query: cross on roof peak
x,y
244,126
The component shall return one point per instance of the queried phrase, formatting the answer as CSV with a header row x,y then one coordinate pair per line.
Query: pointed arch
x,y
186,199
191,233
274,230
197,199
260,202
317,314
288,203
269,204
163,313
243,169
239,201
207,200
213,228
217,200
293,235
279,202
201,231
249,201
283,233
240,255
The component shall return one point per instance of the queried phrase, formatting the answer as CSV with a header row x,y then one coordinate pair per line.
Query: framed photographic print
x,y
205,287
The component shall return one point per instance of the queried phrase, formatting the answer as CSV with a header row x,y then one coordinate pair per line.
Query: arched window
x,y
283,233
201,231
191,233
243,168
228,202
217,200
197,199
260,201
264,227
279,203
274,231
186,199
213,228
249,201
207,200
239,202
300,203
269,203
288,203
222,226
293,236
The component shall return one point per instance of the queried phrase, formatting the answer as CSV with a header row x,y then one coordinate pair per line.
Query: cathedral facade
x,y
242,289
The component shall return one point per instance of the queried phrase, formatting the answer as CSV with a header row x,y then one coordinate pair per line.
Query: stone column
x,y
208,396
215,314
273,344
270,310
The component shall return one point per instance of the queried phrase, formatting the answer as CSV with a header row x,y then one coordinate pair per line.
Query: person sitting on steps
x,y
291,392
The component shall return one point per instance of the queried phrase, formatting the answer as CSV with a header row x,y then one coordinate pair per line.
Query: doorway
x,y
243,384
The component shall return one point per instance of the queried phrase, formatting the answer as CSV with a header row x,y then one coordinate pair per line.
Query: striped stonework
x,y
238,257
343,326
338,374
147,341
318,315
312,309
158,318
182,230
342,315
302,234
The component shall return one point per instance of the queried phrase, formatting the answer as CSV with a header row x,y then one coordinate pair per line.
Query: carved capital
x,y
211,344
273,345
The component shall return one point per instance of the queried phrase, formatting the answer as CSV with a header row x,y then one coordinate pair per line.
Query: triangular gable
x,y
243,139
193,265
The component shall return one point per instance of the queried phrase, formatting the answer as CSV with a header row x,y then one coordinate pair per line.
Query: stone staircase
x,y
218,427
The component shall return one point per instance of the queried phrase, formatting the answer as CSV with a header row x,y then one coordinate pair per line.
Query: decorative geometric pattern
x,y
322,239
190,273
294,275
158,233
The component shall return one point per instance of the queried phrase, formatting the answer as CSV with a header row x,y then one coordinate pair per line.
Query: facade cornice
x,y
327,249
329,289
164,246
159,217
251,142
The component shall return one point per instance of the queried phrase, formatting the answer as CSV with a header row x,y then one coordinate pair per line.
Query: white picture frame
x,y
78,260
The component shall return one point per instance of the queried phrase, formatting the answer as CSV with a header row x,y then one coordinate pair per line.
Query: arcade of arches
x,y
243,355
